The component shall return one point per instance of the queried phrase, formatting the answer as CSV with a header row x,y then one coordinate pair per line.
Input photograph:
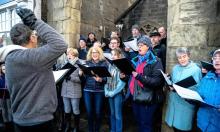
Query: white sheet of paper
x,y
132,44
187,93
108,55
59,74
169,82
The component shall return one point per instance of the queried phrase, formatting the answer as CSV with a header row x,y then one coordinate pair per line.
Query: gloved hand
x,y
27,16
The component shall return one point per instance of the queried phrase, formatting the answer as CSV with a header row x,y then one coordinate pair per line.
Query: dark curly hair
x,y
20,34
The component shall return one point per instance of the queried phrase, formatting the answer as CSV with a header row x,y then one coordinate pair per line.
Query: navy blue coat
x,y
90,83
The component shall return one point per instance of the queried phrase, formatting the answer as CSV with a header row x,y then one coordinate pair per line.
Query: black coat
x,y
160,51
153,79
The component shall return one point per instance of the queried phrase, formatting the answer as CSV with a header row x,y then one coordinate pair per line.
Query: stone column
x,y
194,24
65,17
37,8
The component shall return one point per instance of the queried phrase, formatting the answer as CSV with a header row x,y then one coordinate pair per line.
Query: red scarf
x,y
139,70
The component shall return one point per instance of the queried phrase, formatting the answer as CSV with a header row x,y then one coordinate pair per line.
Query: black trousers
x,y
44,127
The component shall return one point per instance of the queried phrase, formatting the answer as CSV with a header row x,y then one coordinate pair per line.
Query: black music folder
x,y
67,66
60,75
186,93
63,72
124,65
100,71
186,83
206,65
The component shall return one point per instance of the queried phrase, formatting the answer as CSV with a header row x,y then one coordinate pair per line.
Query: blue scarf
x,y
149,57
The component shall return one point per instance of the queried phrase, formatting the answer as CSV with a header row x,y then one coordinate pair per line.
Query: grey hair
x,y
182,50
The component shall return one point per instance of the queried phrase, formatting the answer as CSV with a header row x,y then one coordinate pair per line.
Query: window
x,y
8,18
2,21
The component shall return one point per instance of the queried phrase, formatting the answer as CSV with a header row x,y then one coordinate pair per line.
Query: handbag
x,y
142,95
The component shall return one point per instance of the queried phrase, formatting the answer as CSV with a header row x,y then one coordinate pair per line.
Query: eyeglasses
x,y
113,43
95,52
182,57
141,45
216,58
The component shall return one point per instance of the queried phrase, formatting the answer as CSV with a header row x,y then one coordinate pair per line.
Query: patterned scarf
x,y
148,58
112,81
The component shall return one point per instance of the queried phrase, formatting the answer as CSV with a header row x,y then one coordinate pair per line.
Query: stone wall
x,y
147,14
74,17
98,16
64,16
194,24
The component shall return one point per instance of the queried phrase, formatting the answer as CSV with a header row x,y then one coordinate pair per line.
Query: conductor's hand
x,y
27,16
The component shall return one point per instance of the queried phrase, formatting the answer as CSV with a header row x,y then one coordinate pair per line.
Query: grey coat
x,y
72,88
30,79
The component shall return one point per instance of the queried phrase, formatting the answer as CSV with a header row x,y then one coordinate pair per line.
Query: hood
x,y
4,51
211,74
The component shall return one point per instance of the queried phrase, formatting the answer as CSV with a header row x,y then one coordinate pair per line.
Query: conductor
x,y
29,72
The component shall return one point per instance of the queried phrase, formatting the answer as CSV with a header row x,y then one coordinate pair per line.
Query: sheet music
x,y
187,93
59,74
169,82
108,56
132,44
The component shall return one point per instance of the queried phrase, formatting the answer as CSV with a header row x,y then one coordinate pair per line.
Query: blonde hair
x,y
118,52
73,52
97,49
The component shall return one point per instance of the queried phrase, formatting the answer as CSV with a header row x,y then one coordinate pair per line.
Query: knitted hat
x,y
216,51
82,38
135,27
145,40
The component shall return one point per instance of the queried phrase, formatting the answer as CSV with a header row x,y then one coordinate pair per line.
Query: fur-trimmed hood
x,y
4,51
